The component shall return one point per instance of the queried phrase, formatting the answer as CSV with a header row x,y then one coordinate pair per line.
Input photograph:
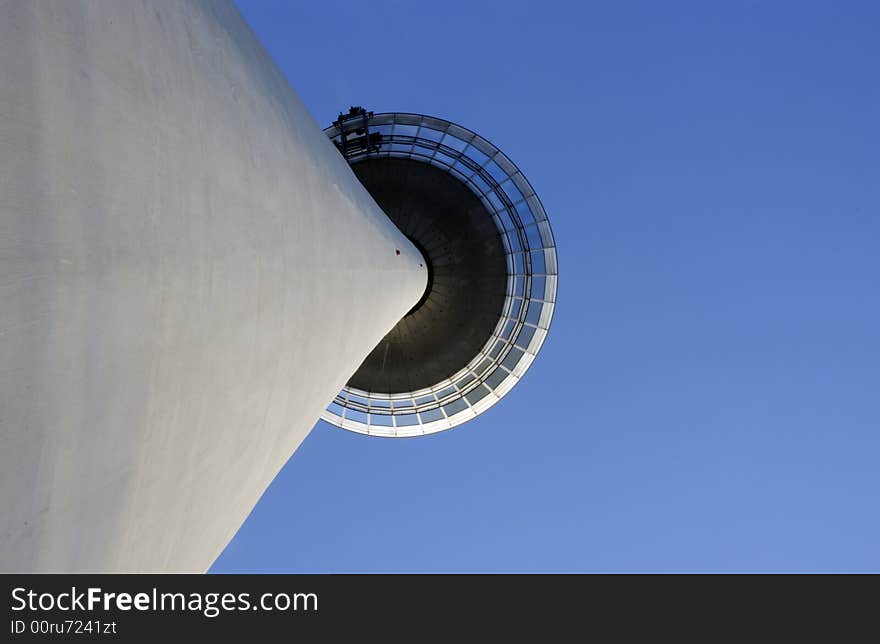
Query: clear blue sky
x,y
709,395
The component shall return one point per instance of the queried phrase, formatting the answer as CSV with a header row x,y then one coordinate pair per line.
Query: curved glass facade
x,y
531,280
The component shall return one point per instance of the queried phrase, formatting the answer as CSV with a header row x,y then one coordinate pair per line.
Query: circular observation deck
x,y
492,274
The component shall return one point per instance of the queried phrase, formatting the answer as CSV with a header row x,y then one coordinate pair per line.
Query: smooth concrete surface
x,y
189,272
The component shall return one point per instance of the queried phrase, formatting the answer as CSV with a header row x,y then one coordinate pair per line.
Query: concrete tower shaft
x,y
187,278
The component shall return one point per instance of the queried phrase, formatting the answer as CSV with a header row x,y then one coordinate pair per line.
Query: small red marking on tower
x,y
397,251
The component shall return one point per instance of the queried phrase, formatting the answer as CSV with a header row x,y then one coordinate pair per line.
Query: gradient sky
x,y
708,398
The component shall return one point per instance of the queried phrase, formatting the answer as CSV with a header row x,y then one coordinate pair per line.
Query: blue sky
x,y
708,398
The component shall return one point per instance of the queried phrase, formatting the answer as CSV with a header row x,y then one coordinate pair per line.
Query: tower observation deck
x,y
492,274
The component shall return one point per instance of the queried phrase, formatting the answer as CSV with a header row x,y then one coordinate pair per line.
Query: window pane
x,y
477,395
455,406
430,416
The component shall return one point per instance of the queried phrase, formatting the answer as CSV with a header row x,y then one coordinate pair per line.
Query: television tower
x,y
191,271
